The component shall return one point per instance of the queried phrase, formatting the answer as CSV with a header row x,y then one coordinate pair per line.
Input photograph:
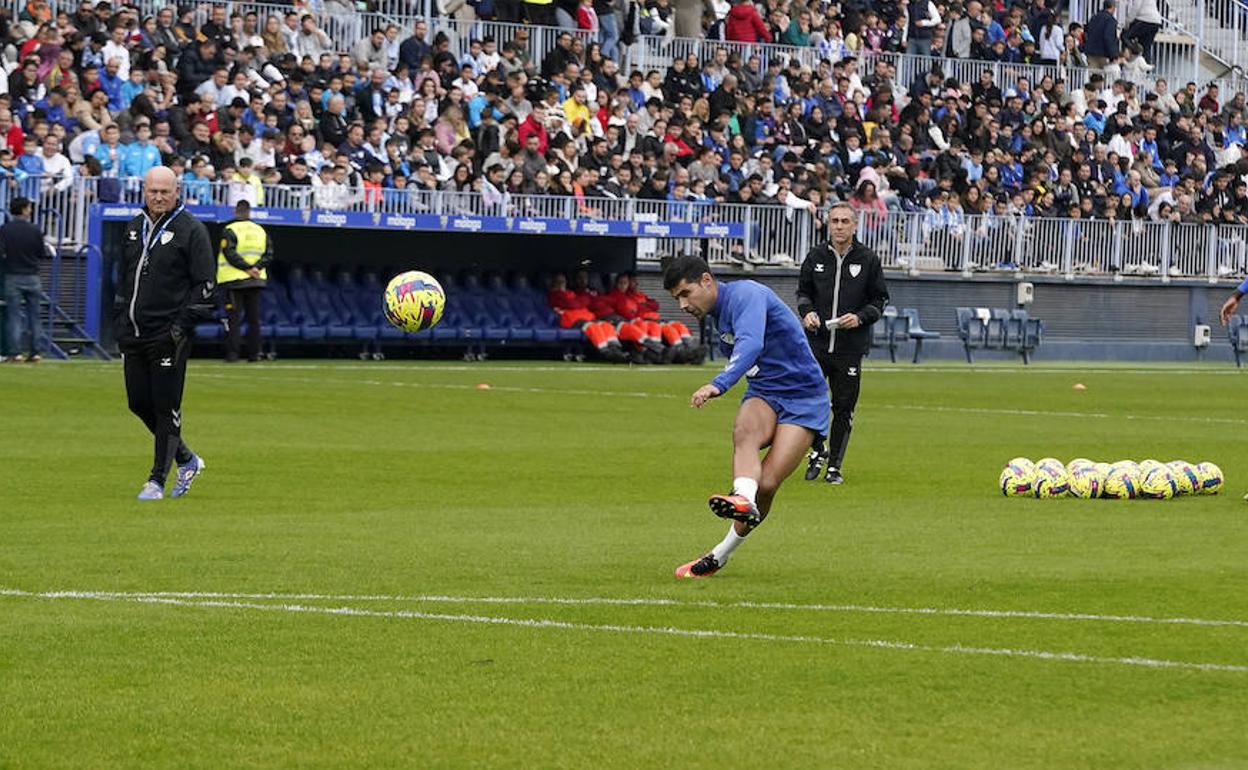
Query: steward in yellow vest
x,y
242,274
245,252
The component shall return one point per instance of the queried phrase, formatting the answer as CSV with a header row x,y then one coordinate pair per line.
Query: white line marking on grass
x,y
645,602
544,623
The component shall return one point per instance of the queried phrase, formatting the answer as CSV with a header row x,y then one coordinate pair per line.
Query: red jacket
x,y
744,25
632,304
564,300
531,126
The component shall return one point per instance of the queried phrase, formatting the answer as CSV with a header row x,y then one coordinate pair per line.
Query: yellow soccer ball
x,y
1122,482
1210,477
1185,476
1051,479
413,301
1148,465
1159,484
1087,482
1016,477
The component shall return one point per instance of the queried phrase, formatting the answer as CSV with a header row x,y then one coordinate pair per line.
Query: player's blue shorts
x,y
811,412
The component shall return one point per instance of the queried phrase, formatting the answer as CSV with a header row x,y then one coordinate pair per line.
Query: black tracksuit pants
x,y
154,384
844,373
237,303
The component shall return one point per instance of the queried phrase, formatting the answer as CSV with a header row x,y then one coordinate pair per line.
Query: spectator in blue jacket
x,y
141,155
111,83
132,87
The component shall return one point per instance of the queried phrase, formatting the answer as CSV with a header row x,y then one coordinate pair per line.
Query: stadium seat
x,y
1030,331
996,329
971,330
882,332
915,331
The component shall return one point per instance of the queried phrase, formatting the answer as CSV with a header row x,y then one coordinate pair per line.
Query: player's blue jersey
x,y
764,342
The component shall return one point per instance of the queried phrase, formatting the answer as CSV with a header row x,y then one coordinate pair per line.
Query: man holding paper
x,y
841,292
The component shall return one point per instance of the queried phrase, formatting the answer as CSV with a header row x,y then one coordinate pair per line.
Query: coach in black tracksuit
x,y
167,277
842,286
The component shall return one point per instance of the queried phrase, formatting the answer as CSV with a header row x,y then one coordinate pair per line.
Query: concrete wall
x,y
1086,319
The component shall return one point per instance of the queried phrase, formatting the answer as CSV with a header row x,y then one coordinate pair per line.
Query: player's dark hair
x,y
684,268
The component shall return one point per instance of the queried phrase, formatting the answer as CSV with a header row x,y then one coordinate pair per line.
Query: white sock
x,y
746,487
726,546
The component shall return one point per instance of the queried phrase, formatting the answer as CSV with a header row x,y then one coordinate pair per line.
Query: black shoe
x,y
833,476
812,466
704,567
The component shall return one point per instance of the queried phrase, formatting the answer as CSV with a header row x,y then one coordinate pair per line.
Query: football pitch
x,y
387,565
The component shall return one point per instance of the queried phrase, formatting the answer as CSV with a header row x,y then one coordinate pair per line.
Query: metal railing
x,y
920,241
925,242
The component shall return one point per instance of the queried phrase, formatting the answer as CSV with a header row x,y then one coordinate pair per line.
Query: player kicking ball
x,y
786,398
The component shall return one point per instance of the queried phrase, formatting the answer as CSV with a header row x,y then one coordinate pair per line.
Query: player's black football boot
x,y
699,568
813,465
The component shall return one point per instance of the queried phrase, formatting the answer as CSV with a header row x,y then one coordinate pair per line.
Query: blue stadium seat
x,y
882,335
1030,333
997,329
915,331
971,330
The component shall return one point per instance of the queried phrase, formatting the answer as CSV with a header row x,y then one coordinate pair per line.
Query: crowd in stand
x,y
95,90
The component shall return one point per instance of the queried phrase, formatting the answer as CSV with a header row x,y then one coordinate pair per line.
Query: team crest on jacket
x,y
818,267
854,270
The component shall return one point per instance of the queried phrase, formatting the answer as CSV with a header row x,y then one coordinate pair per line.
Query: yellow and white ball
x,y
1185,476
413,301
1159,484
1210,476
1016,477
1122,482
1051,479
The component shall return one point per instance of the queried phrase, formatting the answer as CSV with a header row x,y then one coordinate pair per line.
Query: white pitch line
x,y
544,623
644,602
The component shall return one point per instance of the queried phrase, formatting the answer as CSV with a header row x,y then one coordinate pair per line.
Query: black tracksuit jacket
x,y
833,286
169,283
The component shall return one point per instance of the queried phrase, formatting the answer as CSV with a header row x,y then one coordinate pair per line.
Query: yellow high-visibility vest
x,y
252,243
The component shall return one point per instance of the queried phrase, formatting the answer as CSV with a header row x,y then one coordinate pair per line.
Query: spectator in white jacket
x,y
58,172
1142,21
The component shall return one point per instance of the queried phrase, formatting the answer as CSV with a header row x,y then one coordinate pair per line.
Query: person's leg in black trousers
x,y
154,388
846,378
251,305
843,373
233,330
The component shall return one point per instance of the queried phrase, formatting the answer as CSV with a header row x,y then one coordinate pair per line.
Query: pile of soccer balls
x,y
1123,480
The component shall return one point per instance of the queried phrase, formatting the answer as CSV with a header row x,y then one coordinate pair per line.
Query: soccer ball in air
x,y
1210,477
1185,476
1051,479
1087,481
1159,484
1016,477
1123,481
413,301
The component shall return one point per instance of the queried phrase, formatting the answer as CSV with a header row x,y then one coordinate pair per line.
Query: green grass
x,y
567,481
